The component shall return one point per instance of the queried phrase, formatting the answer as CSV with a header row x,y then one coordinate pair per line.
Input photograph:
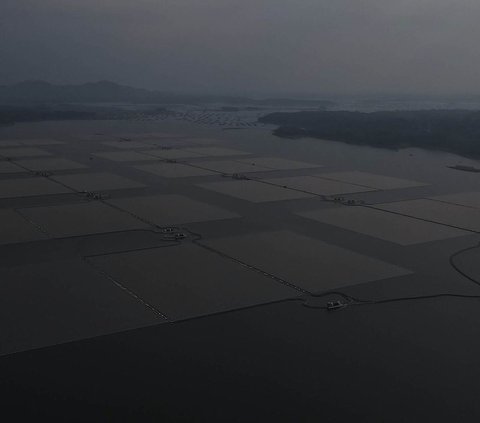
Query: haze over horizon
x,y
247,48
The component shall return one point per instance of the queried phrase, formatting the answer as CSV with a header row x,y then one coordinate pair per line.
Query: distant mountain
x,y
96,92
41,92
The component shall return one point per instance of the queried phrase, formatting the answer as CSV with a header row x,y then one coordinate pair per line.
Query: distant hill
x,y
41,92
456,131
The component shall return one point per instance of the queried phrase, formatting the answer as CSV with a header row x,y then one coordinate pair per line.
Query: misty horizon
x,y
253,48
258,95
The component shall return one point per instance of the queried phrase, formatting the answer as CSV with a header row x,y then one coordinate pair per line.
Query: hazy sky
x,y
246,46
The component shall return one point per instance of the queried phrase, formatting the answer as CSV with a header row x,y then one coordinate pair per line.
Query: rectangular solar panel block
x,y
278,163
467,199
203,141
383,225
10,167
317,185
10,143
174,170
81,219
23,152
15,229
166,210
127,144
371,180
230,166
29,187
97,181
41,141
55,302
308,263
158,135
187,281
125,156
174,153
52,164
256,192
436,211
216,151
